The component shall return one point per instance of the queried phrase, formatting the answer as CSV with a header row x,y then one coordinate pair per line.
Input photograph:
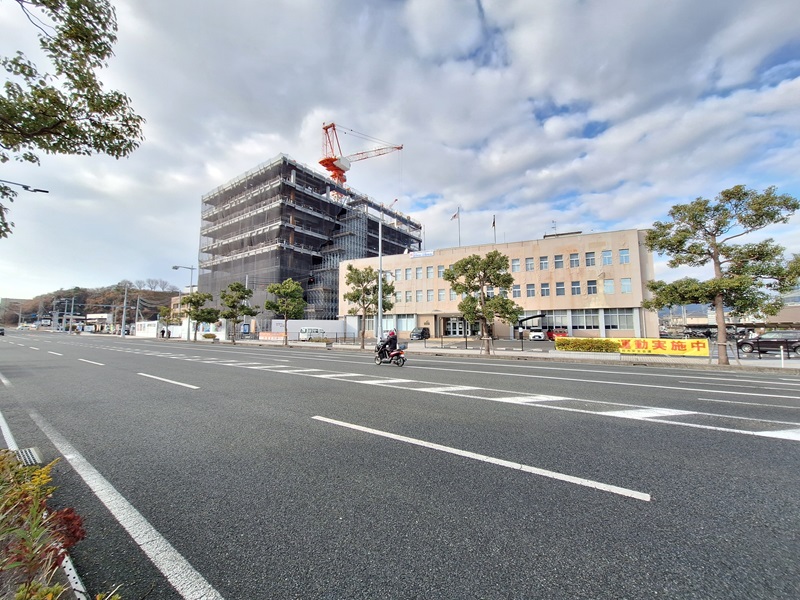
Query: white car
x,y
536,335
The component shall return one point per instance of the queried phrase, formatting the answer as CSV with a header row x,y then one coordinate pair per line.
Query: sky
x,y
548,116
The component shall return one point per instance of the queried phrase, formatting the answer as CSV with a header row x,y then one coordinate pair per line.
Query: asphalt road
x,y
206,471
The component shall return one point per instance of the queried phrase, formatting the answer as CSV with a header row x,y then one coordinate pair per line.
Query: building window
x,y
543,263
530,290
440,271
624,257
419,295
529,264
430,295
429,272
589,258
625,286
618,318
574,260
503,293
398,274
544,289
408,296
490,292
418,272
516,292
608,286
607,260
441,295
588,318
398,296
560,288
576,288
558,261
515,265
453,295
408,274
591,287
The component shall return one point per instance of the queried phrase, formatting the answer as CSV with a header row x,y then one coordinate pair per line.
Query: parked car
x,y
536,335
2,331
420,333
552,334
772,341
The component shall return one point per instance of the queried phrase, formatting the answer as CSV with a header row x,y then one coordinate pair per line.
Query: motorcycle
x,y
395,357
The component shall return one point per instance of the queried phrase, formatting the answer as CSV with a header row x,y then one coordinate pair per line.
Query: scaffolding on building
x,y
284,220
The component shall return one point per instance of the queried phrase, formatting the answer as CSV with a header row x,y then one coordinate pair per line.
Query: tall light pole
x,y
180,308
379,324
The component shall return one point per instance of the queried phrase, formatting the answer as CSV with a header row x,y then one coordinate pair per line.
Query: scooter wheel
x,y
400,361
378,360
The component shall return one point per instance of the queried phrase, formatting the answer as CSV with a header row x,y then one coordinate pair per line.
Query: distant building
x,y
284,220
590,284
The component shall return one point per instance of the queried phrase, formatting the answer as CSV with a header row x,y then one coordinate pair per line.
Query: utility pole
x,y
124,309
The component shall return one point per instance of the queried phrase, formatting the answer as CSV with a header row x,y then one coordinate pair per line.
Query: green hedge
x,y
586,344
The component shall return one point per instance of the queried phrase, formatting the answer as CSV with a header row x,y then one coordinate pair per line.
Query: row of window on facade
x,y
582,318
576,288
589,260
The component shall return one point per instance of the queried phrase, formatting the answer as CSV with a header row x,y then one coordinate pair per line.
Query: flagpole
x,y
458,212
494,229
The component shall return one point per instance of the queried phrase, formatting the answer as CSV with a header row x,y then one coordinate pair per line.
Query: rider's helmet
x,y
391,333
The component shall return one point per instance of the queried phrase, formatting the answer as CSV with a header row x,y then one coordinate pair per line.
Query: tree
x,y
472,276
65,111
235,298
748,277
165,314
288,302
152,283
197,310
363,293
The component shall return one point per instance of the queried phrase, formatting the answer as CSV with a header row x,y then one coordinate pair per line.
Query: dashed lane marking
x,y
647,413
597,485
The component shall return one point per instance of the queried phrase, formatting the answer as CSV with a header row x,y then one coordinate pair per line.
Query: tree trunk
x,y
286,332
363,331
722,333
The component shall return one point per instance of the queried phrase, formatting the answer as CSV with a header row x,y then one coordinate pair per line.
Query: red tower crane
x,y
336,164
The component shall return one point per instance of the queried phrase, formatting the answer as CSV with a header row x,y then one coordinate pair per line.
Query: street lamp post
x,y
180,308
379,325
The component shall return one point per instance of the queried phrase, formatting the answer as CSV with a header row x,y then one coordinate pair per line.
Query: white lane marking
x,y
749,403
56,353
194,387
5,381
190,584
290,370
240,364
787,434
449,389
418,367
11,443
495,461
91,362
385,381
647,413
34,348
337,375
263,367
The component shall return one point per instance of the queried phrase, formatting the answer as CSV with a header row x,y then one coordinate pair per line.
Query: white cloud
x,y
595,115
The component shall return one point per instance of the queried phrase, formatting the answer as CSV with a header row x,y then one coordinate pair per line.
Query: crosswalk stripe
x,y
647,413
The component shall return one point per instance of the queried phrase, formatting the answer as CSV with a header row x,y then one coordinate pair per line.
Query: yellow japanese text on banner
x,y
662,346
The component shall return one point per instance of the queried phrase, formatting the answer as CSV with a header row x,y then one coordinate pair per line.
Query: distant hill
x,y
88,301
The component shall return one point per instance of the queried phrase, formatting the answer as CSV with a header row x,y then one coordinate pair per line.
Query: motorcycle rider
x,y
388,346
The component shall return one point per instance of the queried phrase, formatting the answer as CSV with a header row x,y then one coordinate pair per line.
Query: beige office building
x,y
590,284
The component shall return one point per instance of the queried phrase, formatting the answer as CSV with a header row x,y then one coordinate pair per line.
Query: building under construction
x,y
283,220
